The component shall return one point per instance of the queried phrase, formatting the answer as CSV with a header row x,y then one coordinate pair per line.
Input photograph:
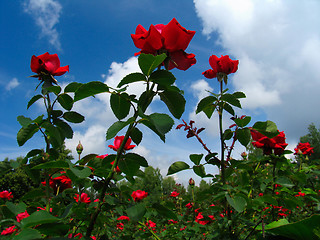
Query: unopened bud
x,y
191,182
244,155
79,148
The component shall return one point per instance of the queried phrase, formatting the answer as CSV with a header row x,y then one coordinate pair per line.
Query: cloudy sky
x,y
276,42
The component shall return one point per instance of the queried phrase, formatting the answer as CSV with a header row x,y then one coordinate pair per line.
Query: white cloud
x,y
277,44
200,89
46,14
12,84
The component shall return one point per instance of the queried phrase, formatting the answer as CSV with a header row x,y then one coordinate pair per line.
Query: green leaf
x,y
148,62
267,128
244,136
137,158
136,135
56,113
80,172
65,101
199,170
129,166
53,133
174,101
145,99
72,87
117,127
33,100
227,135
239,95
285,182
120,105
86,159
227,97
33,194
38,218
52,164
132,77
228,108
163,78
16,208
65,129
165,212
26,133
177,167
54,229
242,122
207,105
73,117
24,121
136,212
196,158
274,224
238,203
55,89
28,234
90,89
269,199
305,229
162,122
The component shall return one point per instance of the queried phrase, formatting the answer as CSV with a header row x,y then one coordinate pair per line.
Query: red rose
x,y
9,230
123,218
138,195
62,182
276,143
304,148
22,215
174,194
6,194
48,64
83,198
221,65
173,39
118,141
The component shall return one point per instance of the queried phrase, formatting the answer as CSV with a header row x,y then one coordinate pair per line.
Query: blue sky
x,y
277,44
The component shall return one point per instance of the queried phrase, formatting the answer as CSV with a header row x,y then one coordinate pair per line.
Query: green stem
x,y
220,110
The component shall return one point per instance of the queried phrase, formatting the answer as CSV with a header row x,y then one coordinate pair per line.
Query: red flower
x,y
276,143
61,182
6,194
138,195
189,205
123,218
120,226
300,194
173,39
260,194
48,64
9,230
83,198
174,194
304,148
202,222
171,221
118,141
103,156
22,215
221,65
151,225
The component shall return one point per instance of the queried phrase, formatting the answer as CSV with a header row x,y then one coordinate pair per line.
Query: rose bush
x,y
260,195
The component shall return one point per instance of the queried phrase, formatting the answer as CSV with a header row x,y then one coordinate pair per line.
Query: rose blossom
x,y
304,148
6,194
221,65
123,218
118,141
47,64
138,195
22,215
276,143
61,182
9,230
173,39
83,198
174,194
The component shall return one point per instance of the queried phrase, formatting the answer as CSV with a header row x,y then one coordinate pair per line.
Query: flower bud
x,y
244,155
191,182
79,148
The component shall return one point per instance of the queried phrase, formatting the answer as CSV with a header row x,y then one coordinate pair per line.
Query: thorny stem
x,y
111,173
